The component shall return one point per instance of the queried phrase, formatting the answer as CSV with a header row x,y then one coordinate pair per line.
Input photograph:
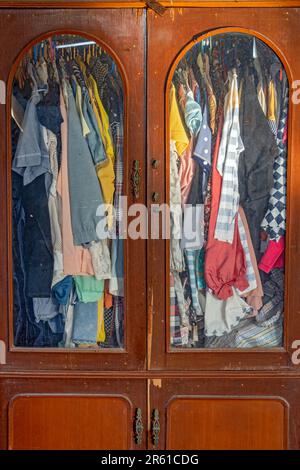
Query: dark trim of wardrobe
x,y
169,4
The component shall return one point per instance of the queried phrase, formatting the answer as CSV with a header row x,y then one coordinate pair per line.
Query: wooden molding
x,y
80,4
157,376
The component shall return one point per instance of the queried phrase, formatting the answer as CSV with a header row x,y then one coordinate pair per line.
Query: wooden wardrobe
x,y
148,395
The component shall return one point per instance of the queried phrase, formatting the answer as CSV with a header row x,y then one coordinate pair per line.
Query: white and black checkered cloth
x,y
274,220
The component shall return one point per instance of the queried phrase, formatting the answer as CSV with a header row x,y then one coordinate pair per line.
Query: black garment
x,y
196,191
256,162
273,300
31,243
109,325
38,253
25,328
27,332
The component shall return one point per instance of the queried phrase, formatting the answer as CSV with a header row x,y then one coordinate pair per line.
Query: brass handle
x,y
138,426
155,427
136,179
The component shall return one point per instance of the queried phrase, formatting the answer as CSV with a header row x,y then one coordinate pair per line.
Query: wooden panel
x,y
69,422
81,411
280,33
226,424
229,410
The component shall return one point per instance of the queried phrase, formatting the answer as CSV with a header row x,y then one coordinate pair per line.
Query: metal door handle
x,y
135,179
138,426
155,427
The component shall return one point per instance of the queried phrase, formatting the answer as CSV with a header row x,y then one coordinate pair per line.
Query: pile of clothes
x,y
228,155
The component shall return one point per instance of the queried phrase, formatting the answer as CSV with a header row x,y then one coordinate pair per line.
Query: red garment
x,y
285,135
273,257
225,263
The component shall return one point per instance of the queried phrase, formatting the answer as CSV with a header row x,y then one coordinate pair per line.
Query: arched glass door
x,y
228,118
67,115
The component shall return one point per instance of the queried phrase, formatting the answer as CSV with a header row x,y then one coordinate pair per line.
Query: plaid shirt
x,y
179,334
191,257
118,140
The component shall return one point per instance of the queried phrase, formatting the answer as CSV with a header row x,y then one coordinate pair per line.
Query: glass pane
x,y
67,181
228,157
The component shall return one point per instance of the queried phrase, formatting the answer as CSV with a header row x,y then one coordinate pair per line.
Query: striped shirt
x,y
227,165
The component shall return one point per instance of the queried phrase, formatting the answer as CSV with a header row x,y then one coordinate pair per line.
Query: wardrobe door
x,y
55,414
223,139
225,413
72,282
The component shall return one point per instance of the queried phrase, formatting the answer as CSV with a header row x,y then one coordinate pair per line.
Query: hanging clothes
x,y
177,130
225,293
254,293
256,161
274,220
231,146
76,259
54,212
225,263
62,135
176,253
84,198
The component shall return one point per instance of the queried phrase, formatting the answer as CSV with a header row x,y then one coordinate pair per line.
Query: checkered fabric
x,y
118,139
274,220
273,126
109,327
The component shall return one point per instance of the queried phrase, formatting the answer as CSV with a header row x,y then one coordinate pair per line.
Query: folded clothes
x,y
88,288
85,323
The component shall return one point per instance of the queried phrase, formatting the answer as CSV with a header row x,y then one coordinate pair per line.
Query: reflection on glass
x,y
228,157
67,161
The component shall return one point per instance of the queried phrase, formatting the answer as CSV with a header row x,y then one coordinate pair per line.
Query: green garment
x,y
88,288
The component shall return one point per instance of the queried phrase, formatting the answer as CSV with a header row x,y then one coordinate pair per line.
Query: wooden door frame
x,y
209,21
130,57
